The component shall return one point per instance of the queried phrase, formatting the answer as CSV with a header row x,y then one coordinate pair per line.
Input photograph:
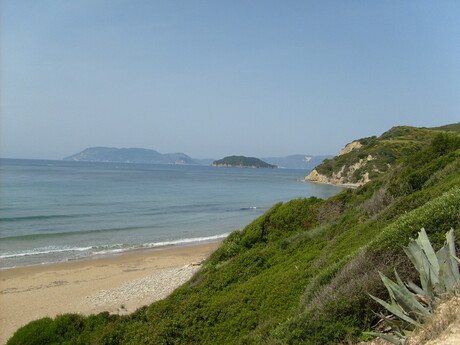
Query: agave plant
x,y
409,303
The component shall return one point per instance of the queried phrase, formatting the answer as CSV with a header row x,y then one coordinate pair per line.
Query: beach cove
x,y
79,237
118,284
55,211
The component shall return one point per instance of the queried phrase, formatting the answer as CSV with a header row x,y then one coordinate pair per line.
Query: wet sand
x,y
118,284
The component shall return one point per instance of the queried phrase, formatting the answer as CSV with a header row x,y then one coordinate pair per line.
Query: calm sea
x,y
52,211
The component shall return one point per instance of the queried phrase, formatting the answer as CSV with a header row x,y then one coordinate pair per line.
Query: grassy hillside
x,y
299,274
378,154
455,127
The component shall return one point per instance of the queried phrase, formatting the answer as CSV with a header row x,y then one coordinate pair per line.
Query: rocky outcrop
x,y
344,175
367,158
350,147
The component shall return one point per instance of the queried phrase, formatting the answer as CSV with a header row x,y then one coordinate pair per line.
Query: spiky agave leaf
x,y
406,334
448,272
403,337
447,278
425,244
395,310
414,253
405,299
438,271
393,321
430,271
415,288
417,292
397,325
419,260
399,280
427,272
429,288
450,239
386,282
392,340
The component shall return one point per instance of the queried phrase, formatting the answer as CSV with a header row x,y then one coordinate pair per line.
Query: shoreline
x,y
345,185
130,250
120,283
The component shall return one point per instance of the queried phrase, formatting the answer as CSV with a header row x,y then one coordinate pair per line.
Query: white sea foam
x,y
39,251
109,249
186,241
113,251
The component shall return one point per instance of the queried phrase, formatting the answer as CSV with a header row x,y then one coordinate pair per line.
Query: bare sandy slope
x,y
119,285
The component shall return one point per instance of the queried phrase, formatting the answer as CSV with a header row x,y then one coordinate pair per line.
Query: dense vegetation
x,y
378,154
454,127
242,162
299,274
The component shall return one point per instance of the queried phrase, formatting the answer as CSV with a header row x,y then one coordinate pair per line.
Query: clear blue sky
x,y
214,78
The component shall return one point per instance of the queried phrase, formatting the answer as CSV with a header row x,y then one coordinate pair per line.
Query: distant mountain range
x,y
147,156
130,155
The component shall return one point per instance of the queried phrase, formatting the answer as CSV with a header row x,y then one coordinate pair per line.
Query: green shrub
x,y
39,332
69,325
437,216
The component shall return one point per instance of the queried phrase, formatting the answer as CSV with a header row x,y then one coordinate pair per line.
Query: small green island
x,y
242,162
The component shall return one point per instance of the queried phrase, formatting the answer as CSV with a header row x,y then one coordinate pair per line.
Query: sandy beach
x,y
118,284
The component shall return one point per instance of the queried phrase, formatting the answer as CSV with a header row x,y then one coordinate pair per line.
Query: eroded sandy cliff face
x,y
345,175
350,147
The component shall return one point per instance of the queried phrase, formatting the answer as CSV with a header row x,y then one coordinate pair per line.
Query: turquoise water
x,y
52,211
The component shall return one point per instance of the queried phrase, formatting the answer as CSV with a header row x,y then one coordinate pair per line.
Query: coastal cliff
x,y
344,176
365,159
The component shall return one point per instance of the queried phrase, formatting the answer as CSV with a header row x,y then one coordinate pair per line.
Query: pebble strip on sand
x,y
156,286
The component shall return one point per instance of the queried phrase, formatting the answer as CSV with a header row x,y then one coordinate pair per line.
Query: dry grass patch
x,y
358,277
443,328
